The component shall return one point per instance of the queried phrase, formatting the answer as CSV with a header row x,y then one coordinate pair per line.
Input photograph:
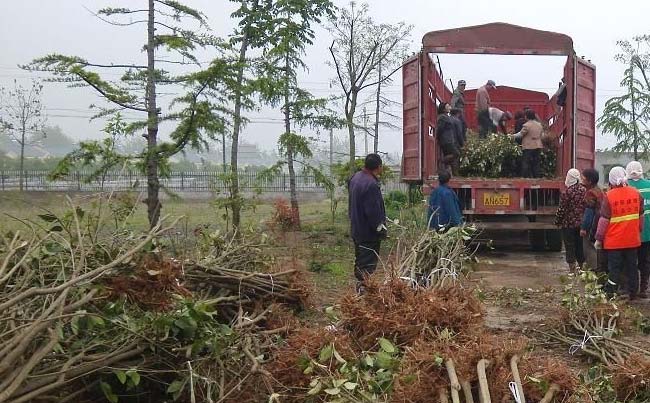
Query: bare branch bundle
x,y
84,306
432,258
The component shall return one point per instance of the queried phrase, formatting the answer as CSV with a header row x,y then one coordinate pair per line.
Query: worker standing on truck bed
x,y
446,135
459,125
619,232
483,104
634,172
531,143
499,119
569,217
367,218
596,259
458,101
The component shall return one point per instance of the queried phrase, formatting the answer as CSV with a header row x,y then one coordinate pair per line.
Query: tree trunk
x,y
153,184
21,175
223,152
236,130
293,191
375,147
350,122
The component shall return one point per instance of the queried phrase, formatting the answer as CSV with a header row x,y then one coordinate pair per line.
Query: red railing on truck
x,y
573,126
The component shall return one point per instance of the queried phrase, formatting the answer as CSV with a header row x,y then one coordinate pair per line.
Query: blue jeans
x,y
622,267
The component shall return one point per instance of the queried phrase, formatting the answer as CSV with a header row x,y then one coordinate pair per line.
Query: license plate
x,y
496,199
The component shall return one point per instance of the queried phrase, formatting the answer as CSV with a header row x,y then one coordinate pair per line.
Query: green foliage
x,y
100,155
368,377
627,117
500,157
341,171
583,291
395,201
597,381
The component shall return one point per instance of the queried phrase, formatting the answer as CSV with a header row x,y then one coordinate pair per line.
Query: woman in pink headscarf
x,y
569,217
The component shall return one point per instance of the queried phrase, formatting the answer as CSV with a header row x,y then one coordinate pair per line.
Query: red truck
x,y
502,203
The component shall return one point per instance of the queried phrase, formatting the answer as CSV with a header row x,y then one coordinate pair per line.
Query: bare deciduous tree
x,y
359,48
23,118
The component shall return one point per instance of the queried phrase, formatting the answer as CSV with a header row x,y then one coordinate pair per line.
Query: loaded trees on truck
x,y
501,203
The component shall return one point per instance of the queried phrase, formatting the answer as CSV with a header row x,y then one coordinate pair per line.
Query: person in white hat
x,y
634,171
619,233
569,217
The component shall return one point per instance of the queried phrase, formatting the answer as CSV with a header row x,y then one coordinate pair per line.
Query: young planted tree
x,y
165,23
293,30
251,33
627,117
358,49
22,117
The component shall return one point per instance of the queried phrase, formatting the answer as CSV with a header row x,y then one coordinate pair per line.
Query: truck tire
x,y
536,239
553,240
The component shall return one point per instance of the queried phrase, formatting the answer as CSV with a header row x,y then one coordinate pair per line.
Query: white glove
x,y
598,245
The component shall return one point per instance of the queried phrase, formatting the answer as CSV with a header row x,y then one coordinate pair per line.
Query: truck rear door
x,y
423,88
412,130
585,114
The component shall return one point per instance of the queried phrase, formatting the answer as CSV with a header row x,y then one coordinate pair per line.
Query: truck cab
x,y
501,203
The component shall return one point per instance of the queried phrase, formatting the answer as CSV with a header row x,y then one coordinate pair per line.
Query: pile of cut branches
x,y
87,312
430,258
498,156
402,343
591,324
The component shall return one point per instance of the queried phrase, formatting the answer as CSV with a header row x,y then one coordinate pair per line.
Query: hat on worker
x,y
634,170
492,84
572,177
617,176
461,82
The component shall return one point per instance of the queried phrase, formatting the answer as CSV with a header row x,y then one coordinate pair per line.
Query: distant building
x,y
606,160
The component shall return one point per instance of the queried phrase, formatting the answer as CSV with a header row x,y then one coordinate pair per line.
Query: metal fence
x,y
191,182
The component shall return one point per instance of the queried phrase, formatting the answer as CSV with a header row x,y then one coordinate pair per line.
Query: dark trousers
x,y
366,256
484,123
644,266
574,252
530,163
623,268
450,158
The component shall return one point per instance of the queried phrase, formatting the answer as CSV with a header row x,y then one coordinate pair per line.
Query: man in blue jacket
x,y
367,218
444,206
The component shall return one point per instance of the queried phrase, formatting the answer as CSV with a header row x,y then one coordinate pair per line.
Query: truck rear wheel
x,y
553,240
537,240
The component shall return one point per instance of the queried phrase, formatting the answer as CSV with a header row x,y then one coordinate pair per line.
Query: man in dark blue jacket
x,y
367,218
444,206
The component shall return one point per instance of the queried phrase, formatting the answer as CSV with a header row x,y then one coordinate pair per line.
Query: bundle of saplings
x,y
498,156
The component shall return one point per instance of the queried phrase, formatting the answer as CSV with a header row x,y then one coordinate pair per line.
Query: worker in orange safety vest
x,y
619,233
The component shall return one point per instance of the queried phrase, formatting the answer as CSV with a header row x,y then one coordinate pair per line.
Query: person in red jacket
x,y
619,232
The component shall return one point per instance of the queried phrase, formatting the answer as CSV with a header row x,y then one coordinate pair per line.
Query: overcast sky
x,y
33,28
